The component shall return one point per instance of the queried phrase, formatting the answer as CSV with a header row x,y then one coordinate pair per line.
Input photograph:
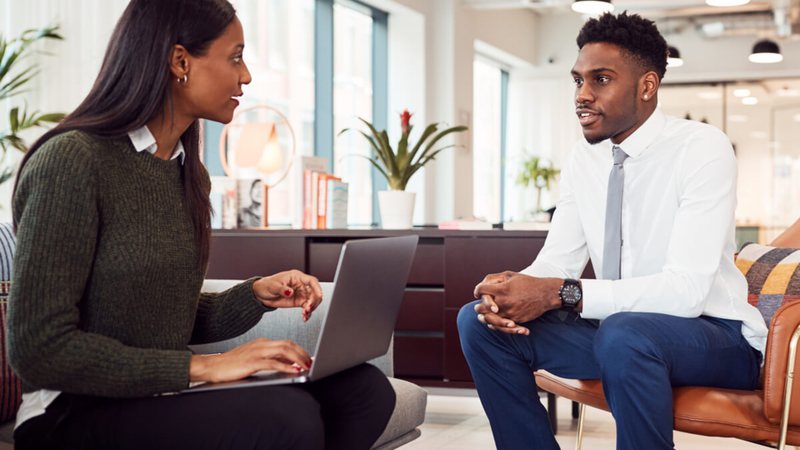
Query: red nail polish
x,y
287,293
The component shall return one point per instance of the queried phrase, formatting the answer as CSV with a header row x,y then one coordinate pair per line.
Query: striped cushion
x,y
10,390
773,276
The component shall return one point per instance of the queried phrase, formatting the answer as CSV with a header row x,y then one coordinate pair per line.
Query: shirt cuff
x,y
598,299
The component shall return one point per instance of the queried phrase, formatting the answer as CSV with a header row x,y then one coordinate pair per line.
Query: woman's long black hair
x,y
135,84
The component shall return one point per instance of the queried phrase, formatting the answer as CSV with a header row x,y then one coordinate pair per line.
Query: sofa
x,y
409,411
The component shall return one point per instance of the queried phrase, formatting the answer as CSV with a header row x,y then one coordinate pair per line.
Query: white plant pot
x,y
397,209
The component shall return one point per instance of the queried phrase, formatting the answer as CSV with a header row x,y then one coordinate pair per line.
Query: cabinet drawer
x,y
427,269
237,257
469,260
323,257
418,357
428,266
455,365
422,310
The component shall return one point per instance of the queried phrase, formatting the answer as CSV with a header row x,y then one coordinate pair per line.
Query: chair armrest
x,y
783,325
285,323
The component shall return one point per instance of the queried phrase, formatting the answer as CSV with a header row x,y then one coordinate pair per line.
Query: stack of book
x,y
324,201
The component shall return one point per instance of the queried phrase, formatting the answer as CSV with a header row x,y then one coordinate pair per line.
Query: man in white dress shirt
x,y
669,307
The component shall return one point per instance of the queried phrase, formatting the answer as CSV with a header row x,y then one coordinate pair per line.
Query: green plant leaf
x,y
38,120
52,117
13,119
429,130
7,173
384,151
438,137
394,168
14,86
535,172
402,149
377,166
433,154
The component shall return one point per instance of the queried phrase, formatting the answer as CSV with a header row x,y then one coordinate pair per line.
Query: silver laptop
x,y
368,289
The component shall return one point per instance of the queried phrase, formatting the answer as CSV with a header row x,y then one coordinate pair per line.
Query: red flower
x,y
405,121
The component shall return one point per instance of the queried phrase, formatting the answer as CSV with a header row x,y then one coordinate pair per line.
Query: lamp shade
x,y
592,7
674,57
766,51
272,159
251,142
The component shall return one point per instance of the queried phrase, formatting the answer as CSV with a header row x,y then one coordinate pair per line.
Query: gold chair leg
x,y
787,393
579,435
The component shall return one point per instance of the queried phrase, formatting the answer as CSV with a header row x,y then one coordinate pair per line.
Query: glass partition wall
x,y
762,119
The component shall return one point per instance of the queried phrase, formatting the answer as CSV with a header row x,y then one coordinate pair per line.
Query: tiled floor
x,y
455,420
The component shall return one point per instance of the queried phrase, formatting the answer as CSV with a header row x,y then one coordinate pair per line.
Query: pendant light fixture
x,y
592,7
674,57
727,2
766,52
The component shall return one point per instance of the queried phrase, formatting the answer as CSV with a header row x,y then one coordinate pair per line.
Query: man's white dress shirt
x,y
677,226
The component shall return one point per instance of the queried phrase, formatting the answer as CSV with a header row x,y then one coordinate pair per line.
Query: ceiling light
x,y
788,92
727,2
592,7
759,135
709,95
766,52
750,101
741,92
674,57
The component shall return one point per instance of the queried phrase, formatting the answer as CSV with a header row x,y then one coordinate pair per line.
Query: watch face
x,y
571,294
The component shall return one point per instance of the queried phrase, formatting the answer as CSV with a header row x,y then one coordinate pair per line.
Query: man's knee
x,y
621,338
470,329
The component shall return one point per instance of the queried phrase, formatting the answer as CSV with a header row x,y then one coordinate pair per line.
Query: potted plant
x,y
399,164
14,81
540,174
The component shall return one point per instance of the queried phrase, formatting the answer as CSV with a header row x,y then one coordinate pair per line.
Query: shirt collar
x,y
143,140
640,139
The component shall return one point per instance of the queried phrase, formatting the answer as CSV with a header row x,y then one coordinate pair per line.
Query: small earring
x,y
184,79
645,97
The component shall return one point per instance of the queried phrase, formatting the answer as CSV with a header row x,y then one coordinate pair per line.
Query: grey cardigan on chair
x,y
409,411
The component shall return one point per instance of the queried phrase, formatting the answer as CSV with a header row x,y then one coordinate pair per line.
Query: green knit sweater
x,y
106,285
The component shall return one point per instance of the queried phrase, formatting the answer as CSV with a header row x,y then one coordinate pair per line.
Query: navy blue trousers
x,y
638,356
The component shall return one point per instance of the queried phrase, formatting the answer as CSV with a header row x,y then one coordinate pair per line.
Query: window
x,y
489,98
314,61
279,52
761,119
352,98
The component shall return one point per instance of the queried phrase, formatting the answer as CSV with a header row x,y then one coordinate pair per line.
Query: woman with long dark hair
x,y
113,221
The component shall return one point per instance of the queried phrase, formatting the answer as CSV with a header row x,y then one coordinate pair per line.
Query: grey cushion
x,y
409,413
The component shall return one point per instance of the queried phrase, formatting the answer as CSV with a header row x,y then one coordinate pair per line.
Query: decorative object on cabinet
x,y
399,164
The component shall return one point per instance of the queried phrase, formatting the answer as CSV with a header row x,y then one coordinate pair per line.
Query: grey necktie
x,y
612,245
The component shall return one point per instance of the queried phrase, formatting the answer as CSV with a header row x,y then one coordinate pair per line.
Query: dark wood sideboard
x,y
447,265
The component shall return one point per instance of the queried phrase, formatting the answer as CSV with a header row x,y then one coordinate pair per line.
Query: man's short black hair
x,y
634,34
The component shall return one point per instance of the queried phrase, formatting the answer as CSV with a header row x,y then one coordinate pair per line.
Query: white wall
x,y
705,60
69,69
451,31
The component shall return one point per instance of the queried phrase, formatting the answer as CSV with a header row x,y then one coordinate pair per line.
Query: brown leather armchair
x,y
763,416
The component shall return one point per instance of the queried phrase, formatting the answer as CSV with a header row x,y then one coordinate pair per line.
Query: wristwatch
x,y
571,294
